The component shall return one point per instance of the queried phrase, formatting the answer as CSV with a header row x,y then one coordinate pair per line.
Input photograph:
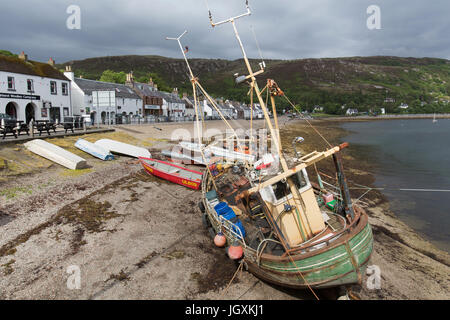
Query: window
x,y
53,89
281,188
11,83
30,87
65,90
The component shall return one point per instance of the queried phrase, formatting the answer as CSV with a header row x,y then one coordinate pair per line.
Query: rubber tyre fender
x,y
201,206
205,221
212,232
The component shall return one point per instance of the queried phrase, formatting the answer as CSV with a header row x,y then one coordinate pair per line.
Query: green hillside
x,y
361,82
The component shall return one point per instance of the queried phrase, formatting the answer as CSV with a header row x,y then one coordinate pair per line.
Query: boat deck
x,y
231,185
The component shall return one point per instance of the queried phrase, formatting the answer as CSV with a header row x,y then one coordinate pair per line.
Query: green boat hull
x,y
340,263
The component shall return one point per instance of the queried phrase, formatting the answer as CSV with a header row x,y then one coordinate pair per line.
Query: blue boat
x,y
94,150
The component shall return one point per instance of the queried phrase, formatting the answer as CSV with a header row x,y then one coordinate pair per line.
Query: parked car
x,y
7,118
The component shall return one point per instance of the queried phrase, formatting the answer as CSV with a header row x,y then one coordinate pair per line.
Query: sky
x,y
284,29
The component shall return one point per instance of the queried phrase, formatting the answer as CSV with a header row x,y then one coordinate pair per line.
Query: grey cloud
x,y
285,29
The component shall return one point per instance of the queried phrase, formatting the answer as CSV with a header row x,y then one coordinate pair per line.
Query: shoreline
x,y
389,230
146,230
386,117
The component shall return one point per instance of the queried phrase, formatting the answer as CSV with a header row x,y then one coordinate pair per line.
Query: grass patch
x,y
11,193
75,173
7,267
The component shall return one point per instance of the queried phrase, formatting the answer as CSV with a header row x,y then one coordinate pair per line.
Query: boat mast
x,y
303,224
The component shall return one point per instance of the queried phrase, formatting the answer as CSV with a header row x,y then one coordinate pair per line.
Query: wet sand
x,y
137,237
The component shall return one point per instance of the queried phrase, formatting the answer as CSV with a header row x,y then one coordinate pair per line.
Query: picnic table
x,y
22,126
44,125
8,127
68,124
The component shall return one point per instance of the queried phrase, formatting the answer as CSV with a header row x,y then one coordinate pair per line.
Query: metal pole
x,y
348,206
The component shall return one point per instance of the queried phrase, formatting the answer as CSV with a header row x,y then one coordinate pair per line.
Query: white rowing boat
x,y
184,158
56,154
217,151
123,148
94,150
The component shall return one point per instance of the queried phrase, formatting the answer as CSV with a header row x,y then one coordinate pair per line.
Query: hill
x,y
362,82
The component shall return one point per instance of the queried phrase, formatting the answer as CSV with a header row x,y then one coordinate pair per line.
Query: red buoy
x,y
220,240
235,251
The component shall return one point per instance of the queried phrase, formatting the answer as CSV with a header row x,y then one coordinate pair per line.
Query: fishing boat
x,y
282,227
434,118
172,172
94,150
123,148
56,154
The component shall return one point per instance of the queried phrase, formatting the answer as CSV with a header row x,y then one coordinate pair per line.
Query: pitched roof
x,y
122,91
33,68
145,89
169,97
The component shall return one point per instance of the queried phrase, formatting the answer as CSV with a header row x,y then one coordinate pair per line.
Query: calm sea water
x,y
410,154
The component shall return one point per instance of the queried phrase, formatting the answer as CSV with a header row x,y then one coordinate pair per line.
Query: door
x,y
29,113
55,114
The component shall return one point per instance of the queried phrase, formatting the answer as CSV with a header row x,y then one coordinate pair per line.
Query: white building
x,y
318,108
33,90
173,106
351,112
127,102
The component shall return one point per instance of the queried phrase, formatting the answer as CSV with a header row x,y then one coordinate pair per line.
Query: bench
x,y
42,125
21,126
8,128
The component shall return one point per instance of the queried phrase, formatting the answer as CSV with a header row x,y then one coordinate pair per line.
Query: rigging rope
x,y
317,131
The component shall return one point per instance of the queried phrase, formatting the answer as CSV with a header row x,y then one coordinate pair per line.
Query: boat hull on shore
x,y
94,150
56,154
123,148
173,173
343,263
333,261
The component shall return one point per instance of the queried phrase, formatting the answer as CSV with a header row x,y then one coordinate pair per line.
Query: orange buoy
x,y
220,240
235,251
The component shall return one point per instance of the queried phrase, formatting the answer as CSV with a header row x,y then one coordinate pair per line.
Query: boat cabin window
x,y
281,188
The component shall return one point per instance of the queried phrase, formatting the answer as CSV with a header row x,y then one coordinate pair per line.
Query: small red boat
x,y
171,172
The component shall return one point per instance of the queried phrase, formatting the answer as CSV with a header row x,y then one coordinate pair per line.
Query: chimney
x,y
69,74
23,56
175,91
155,86
51,62
130,80
150,82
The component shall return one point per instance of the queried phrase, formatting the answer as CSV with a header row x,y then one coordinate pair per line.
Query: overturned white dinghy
x,y
94,150
217,151
184,158
123,148
56,154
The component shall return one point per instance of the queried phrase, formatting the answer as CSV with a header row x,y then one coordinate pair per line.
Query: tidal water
x,y
410,154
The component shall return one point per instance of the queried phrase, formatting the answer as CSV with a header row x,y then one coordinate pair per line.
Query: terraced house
x,y
33,90
126,104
